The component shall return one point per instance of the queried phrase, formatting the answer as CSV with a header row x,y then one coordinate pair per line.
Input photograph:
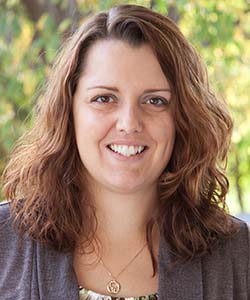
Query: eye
x,y
157,101
103,99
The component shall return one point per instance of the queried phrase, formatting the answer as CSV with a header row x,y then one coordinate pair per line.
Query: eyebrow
x,y
116,90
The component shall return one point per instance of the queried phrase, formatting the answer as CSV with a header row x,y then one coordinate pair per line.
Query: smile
x,y
126,150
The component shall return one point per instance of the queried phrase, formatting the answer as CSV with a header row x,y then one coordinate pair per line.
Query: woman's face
x,y
123,117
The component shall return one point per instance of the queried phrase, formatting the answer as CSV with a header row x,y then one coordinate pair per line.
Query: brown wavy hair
x,y
45,168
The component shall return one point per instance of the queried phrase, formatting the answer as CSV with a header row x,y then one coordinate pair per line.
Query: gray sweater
x,y
30,271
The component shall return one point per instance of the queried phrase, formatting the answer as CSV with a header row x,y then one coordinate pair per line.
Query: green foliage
x,y
30,38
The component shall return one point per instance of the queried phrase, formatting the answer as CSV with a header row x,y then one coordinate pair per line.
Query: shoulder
x,y
4,211
239,241
236,244
9,237
228,264
231,256
5,219
23,261
15,253
6,233
6,222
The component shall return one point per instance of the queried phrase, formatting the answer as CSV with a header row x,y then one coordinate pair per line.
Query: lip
x,y
128,143
132,158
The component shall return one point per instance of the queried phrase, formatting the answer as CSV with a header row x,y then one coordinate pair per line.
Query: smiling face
x,y
123,117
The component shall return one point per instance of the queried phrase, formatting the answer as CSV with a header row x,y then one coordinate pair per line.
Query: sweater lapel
x,y
183,281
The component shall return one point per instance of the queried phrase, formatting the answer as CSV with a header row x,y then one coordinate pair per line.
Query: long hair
x,y
45,167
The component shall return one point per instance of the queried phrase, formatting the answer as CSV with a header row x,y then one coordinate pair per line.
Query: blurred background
x,y
31,32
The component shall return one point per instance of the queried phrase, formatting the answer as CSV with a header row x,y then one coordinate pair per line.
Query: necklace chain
x,y
127,265
113,286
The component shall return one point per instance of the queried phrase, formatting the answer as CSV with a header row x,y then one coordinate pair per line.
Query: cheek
x,y
84,120
90,127
164,131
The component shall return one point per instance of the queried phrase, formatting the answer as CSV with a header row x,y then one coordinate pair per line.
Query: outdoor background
x,y
31,32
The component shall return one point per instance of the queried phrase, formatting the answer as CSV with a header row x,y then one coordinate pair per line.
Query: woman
x,y
118,189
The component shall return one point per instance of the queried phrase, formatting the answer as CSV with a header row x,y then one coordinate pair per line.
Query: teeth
x,y
126,150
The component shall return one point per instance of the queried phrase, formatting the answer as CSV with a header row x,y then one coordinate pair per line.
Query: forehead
x,y
118,61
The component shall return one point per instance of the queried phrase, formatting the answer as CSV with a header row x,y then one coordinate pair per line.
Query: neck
x,y
122,218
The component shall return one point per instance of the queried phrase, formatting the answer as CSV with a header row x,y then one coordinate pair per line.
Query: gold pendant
x,y
113,287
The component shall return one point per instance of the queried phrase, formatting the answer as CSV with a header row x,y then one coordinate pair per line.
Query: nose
x,y
129,119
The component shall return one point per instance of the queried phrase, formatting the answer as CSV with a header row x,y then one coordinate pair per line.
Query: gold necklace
x,y
114,286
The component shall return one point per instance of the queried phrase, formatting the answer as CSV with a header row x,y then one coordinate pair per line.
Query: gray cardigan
x,y
30,271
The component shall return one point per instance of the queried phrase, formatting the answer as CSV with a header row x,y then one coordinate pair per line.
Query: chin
x,y
127,187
